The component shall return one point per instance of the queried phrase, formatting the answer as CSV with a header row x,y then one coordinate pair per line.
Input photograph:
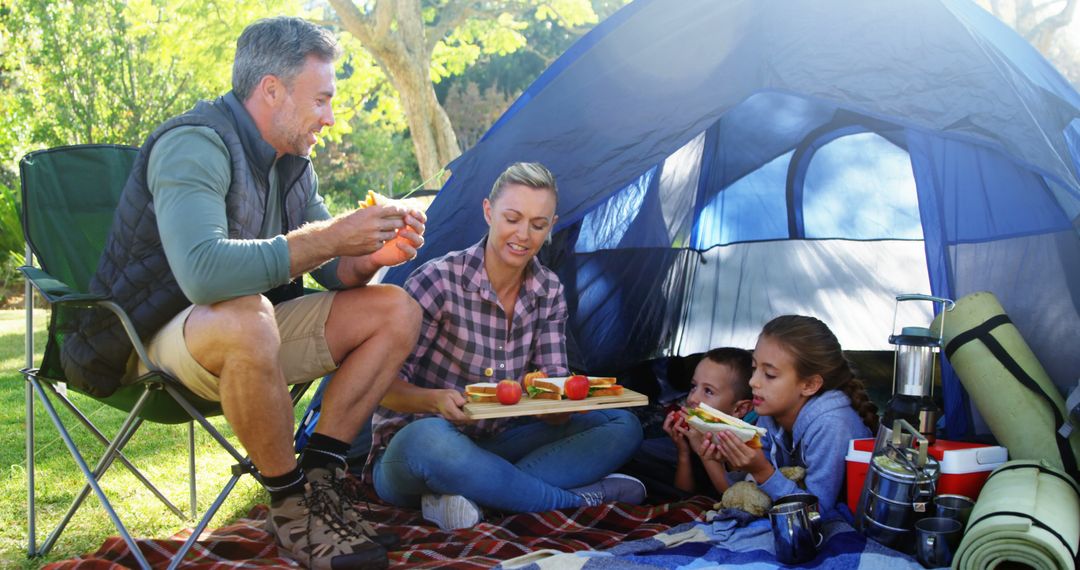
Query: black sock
x,y
282,486
323,451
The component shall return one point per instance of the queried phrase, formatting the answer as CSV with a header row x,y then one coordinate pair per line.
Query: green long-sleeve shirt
x,y
189,173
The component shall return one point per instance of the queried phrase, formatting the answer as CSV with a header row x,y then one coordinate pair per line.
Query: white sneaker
x,y
450,512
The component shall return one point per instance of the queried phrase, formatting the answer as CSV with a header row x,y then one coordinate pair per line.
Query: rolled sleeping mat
x,y
1008,385
1028,513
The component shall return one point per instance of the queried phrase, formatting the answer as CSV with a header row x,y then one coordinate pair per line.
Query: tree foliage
x,y
421,42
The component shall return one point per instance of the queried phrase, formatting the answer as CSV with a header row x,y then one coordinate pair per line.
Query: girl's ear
x,y
487,211
810,386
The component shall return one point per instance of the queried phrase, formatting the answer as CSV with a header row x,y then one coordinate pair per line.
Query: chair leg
x,y
243,466
206,518
191,470
127,430
92,482
119,453
31,510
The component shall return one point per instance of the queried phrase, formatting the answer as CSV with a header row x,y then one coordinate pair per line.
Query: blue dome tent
x,y
723,162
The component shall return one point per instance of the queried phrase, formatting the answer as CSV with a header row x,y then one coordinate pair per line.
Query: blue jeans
x,y
526,468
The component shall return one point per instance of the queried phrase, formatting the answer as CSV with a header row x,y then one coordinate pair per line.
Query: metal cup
x,y
793,534
936,541
813,508
954,507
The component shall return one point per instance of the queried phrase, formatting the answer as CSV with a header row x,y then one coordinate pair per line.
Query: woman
x,y
492,312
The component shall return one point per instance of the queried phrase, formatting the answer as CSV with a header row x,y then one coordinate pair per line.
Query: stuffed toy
x,y
747,497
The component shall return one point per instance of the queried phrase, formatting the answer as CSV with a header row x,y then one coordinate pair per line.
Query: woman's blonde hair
x,y
531,174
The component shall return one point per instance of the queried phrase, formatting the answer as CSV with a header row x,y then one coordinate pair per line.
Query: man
x,y
218,221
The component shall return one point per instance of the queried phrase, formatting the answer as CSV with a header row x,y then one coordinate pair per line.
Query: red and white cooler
x,y
964,466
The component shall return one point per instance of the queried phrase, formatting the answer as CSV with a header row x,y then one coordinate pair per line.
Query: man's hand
x,y
357,270
404,245
365,230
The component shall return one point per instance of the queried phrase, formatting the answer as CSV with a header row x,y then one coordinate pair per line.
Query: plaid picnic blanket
x,y
726,539
682,534
245,543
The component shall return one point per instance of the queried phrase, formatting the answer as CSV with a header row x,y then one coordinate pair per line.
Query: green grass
x,y
159,451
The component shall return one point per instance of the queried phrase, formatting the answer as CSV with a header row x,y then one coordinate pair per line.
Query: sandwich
x,y
708,419
481,392
373,198
539,387
604,386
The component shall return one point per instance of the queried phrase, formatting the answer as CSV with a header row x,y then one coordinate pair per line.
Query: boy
x,y
669,464
721,380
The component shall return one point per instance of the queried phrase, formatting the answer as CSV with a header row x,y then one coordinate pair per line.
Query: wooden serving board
x,y
529,407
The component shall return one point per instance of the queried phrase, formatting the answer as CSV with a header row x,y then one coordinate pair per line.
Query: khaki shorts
x,y
304,354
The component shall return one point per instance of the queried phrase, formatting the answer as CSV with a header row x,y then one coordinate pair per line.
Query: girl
x,y
811,403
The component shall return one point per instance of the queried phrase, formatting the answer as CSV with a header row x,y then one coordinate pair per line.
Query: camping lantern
x,y
913,373
912,406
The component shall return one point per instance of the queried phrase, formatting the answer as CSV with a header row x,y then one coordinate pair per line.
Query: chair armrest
x,y
55,290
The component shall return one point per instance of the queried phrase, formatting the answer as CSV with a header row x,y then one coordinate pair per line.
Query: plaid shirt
x,y
464,334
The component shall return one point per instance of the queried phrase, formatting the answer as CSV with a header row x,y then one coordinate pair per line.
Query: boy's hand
x,y
674,423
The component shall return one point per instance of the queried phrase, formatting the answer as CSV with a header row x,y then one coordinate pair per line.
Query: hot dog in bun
x,y
708,419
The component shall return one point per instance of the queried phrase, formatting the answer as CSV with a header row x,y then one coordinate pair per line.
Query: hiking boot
x,y
615,488
309,530
450,512
332,481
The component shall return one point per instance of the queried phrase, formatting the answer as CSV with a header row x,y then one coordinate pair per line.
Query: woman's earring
x,y
547,240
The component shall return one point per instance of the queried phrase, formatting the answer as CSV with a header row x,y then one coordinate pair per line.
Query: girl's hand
x,y
673,424
696,439
742,457
710,451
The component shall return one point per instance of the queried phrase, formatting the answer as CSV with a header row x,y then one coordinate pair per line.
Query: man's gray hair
x,y
531,174
279,47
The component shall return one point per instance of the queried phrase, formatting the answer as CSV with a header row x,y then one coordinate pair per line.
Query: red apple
x,y
576,387
508,392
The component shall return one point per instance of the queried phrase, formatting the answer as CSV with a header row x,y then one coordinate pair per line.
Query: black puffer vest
x,y
133,270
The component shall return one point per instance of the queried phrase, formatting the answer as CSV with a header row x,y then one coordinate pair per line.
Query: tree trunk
x,y
1038,27
393,33
1042,35
432,133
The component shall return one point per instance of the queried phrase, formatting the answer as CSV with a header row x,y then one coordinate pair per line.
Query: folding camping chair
x,y
69,195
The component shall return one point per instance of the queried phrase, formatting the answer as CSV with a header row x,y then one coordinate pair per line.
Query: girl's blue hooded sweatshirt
x,y
818,442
